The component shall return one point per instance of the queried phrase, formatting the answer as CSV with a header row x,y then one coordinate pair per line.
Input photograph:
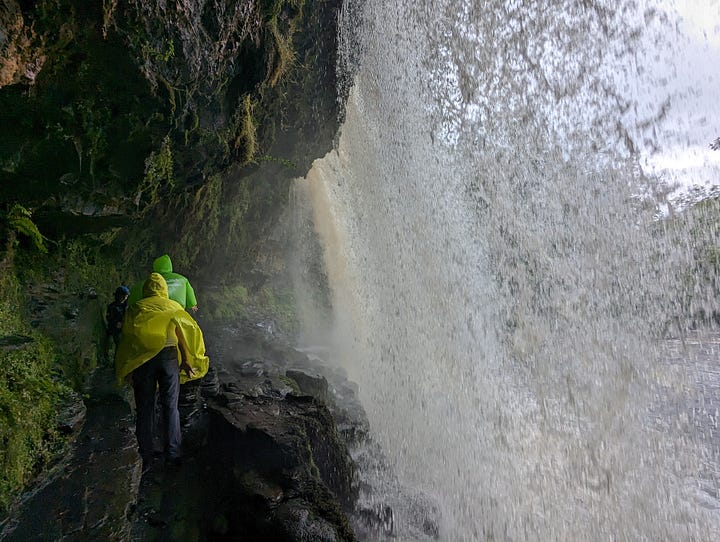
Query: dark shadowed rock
x,y
295,520
14,342
283,461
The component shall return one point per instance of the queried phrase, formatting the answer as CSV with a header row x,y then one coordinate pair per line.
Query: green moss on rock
x,y
30,393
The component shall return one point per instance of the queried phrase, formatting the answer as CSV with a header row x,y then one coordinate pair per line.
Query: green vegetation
x,y
138,136
283,56
19,220
284,161
235,302
247,136
226,302
290,382
278,304
694,236
30,392
158,180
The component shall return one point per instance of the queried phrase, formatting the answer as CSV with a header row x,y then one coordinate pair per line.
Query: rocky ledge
x,y
266,458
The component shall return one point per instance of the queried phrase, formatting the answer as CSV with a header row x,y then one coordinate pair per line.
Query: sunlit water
x,y
499,281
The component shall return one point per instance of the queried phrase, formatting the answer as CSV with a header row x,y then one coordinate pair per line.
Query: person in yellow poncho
x,y
161,347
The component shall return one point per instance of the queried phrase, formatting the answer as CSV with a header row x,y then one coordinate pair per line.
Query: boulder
x,y
284,467
311,384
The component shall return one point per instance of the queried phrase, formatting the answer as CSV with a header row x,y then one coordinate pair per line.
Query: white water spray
x,y
497,288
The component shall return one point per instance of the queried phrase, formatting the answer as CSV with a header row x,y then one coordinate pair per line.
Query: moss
x,y
247,135
226,303
87,266
234,302
60,287
283,56
19,219
276,304
81,124
29,394
290,382
324,502
282,161
171,117
10,293
159,178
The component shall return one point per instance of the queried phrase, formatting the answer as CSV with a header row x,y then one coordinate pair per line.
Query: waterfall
x,y
500,283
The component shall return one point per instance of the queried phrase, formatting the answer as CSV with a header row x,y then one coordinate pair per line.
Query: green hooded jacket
x,y
179,288
145,330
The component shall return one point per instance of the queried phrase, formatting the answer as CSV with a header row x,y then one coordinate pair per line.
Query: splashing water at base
x,y
497,289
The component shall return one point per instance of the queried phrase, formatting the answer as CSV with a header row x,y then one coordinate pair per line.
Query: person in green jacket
x,y
179,287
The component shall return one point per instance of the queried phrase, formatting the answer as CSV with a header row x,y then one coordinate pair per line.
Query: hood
x,y
121,293
162,264
155,285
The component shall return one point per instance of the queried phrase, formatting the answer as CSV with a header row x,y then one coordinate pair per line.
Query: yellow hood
x,y
144,332
155,286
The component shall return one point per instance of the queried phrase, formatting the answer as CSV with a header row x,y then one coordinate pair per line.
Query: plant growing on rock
x,y
19,220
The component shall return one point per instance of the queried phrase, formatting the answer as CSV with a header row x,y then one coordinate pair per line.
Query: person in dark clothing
x,y
115,313
159,378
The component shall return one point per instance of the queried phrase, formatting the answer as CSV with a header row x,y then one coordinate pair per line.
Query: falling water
x,y
499,284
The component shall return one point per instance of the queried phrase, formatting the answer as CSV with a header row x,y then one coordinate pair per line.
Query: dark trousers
x,y
162,373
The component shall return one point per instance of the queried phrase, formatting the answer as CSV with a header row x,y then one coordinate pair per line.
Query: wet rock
x,y
311,384
431,528
89,495
22,59
288,464
268,328
378,519
295,520
284,355
37,305
90,209
260,463
252,368
71,313
252,483
71,415
14,342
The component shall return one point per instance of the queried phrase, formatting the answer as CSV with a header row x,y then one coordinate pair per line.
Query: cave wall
x,y
174,126
131,129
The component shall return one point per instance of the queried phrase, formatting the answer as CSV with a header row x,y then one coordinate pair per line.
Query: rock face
x,y
265,461
284,464
134,128
90,495
121,117
20,59
262,461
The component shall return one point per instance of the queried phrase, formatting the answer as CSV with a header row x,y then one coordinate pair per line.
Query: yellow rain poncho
x,y
145,328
